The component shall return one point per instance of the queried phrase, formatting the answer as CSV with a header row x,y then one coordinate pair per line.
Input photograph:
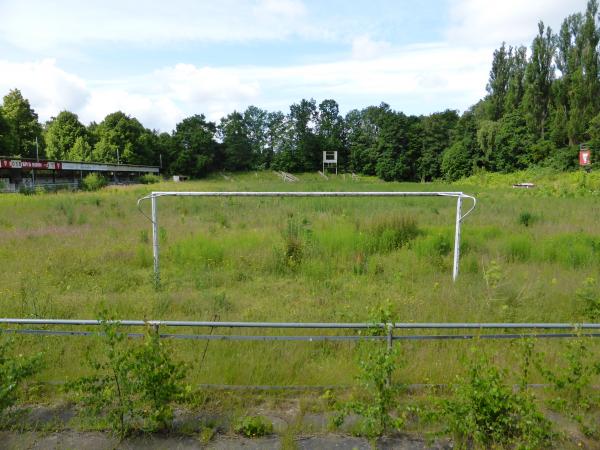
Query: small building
x,y
18,173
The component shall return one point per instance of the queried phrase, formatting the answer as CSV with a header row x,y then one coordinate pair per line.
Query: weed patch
x,y
133,387
254,426
485,411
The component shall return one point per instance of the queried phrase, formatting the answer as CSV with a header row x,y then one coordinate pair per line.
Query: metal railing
x,y
386,330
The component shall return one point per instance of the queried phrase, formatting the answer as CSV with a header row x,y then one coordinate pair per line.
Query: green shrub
x,y
376,370
572,378
389,233
485,411
93,182
149,179
296,237
133,387
254,426
14,370
589,294
563,159
526,218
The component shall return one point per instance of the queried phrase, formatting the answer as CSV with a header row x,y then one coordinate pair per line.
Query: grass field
x,y
528,256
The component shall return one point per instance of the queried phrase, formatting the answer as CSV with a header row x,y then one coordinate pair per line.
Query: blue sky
x,y
161,61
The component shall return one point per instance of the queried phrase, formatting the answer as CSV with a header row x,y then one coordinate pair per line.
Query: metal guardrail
x,y
574,330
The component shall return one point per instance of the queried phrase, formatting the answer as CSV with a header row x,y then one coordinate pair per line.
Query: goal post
x,y
154,196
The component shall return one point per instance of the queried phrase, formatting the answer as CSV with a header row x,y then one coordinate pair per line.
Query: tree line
x,y
541,103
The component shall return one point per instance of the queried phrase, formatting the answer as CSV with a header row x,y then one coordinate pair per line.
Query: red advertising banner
x,y
24,164
585,157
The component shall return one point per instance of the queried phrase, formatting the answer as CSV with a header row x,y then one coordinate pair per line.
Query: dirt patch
x,y
103,441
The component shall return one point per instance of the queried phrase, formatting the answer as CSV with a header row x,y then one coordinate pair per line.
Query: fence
x,y
386,330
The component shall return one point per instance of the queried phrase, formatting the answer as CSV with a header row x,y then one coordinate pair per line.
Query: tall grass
x,y
325,259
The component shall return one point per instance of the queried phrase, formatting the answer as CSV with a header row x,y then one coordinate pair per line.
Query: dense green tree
x,y
123,137
464,154
61,134
516,79
436,134
593,132
584,88
567,62
236,144
23,124
486,140
330,130
362,134
6,136
497,86
195,151
278,134
80,151
164,146
305,152
538,82
512,145
395,157
256,121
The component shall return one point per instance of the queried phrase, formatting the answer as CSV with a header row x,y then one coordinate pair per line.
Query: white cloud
x,y
156,22
417,79
48,88
363,47
490,22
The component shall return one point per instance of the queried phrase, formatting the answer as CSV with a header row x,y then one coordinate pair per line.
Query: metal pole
x,y
155,240
390,336
457,238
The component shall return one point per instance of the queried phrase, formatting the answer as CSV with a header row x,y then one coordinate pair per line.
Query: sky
x,y
161,61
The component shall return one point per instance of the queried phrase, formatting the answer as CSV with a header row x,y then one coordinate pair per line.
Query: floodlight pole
x,y
457,238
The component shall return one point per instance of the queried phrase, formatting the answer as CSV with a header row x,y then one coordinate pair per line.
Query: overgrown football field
x,y
527,256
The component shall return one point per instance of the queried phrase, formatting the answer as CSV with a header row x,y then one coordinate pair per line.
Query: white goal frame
x,y
153,197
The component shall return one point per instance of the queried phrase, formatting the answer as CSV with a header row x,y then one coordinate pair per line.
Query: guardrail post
x,y
390,341
390,336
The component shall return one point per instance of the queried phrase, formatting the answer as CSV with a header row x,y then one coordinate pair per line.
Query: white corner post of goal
x,y
153,197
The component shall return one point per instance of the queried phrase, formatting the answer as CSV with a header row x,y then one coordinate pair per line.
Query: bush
x,y
563,159
133,387
296,239
149,179
485,411
14,369
589,294
387,234
376,372
93,182
526,218
254,426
